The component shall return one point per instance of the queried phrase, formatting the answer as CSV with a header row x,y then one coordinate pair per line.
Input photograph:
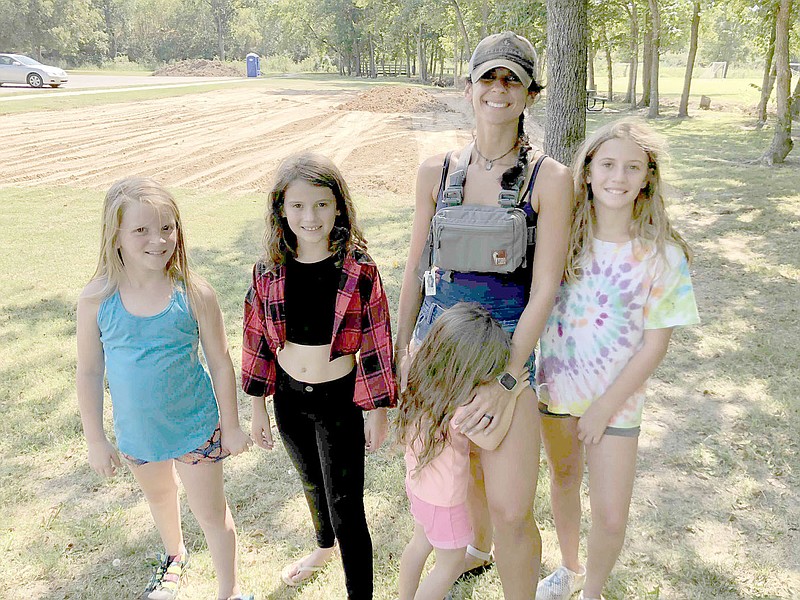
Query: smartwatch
x,y
507,380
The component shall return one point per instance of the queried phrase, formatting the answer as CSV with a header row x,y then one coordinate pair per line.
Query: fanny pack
x,y
477,238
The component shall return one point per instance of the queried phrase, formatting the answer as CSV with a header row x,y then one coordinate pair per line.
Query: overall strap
x,y
454,194
443,181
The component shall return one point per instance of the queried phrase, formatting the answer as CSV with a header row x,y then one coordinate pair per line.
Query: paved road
x,y
94,83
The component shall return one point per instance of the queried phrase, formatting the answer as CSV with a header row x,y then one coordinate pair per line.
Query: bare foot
x,y
305,568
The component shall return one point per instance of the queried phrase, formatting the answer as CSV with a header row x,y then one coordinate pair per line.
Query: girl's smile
x,y
310,212
147,237
617,173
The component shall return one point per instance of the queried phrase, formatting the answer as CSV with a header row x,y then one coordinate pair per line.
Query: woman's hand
x,y
103,458
403,363
592,425
261,428
479,414
234,440
376,428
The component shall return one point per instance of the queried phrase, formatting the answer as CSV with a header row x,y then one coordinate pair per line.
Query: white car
x,y
16,68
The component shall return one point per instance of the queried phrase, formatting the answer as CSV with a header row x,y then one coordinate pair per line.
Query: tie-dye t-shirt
x,y
598,323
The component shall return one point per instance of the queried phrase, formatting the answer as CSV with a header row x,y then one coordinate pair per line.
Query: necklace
x,y
490,162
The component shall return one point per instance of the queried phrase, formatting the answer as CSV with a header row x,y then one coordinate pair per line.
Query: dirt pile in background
x,y
395,98
201,68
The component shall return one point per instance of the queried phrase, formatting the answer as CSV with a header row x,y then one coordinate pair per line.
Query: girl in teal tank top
x,y
141,321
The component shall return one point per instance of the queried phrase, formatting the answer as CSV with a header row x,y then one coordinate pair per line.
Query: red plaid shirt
x,y
361,324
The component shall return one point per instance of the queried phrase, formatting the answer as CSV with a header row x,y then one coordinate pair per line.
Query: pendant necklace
x,y
490,163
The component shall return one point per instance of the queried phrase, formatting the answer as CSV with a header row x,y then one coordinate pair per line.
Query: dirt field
x,y
231,140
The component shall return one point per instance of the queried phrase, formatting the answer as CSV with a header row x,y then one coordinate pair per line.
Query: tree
x,y
782,140
683,108
768,80
655,19
565,125
630,96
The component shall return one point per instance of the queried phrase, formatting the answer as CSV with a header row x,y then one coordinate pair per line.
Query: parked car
x,y
16,68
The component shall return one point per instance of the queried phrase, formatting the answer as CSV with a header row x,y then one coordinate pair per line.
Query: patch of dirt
x,y
389,99
200,68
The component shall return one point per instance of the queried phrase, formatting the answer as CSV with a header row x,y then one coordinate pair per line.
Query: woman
x,y
501,85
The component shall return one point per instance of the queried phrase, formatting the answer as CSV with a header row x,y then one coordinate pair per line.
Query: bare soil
x,y
233,139
200,68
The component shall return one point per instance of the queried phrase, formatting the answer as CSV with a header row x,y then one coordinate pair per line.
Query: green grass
x,y
716,508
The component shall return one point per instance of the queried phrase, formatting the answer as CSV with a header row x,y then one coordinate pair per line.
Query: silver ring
x,y
487,416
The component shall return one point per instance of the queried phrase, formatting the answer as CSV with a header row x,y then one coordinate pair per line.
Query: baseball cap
x,y
506,49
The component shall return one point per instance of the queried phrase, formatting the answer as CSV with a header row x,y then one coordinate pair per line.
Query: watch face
x,y
507,381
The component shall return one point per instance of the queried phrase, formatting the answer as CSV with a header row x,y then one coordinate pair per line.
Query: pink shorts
x,y
446,527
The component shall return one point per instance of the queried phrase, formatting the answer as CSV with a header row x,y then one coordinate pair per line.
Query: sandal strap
x,y
484,556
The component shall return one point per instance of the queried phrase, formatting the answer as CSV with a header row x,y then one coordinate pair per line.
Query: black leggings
x,y
323,432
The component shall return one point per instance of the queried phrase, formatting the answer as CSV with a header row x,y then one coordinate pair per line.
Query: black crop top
x,y
311,300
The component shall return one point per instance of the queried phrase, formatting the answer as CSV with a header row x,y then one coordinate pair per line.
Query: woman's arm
x,y
553,197
215,348
592,425
103,458
428,178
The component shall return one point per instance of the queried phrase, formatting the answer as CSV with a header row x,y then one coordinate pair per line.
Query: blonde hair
x,y
319,171
650,224
119,197
465,348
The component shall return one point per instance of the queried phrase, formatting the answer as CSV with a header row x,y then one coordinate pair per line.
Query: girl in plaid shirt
x,y
316,301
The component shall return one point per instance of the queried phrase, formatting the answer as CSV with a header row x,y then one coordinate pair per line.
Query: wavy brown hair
x,y
465,348
650,224
119,197
319,171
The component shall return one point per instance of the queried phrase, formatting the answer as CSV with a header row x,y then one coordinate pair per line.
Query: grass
x,y
716,506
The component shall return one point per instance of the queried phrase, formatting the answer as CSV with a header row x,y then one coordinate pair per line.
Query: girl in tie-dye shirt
x,y
627,286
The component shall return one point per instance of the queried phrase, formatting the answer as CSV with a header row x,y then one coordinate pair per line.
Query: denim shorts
x,y
506,310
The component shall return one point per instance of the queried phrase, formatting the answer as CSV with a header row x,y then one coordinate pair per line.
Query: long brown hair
x,y
650,223
119,197
319,171
465,348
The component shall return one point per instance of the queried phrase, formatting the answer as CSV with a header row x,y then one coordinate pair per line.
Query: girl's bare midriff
x,y
312,364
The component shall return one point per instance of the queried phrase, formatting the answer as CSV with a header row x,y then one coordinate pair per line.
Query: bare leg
x,y
510,476
160,486
444,573
204,491
478,508
612,468
565,459
412,562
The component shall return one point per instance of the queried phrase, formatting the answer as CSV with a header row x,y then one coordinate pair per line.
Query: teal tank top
x,y
163,401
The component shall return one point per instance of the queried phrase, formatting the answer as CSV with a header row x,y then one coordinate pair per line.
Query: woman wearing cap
x,y
501,85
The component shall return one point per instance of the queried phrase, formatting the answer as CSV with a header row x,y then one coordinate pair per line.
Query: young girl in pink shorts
x,y
464,349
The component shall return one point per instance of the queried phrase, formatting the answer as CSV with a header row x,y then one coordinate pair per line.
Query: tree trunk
x,y
647,60
768,80
634,66
794,103
408,56
782,140
423,65
484,18
609,65
565,121
683,109
591,51
656,20
373,73
460,20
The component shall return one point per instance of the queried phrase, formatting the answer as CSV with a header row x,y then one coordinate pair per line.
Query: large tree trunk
x,y
655,18
683,108
630,97
647,61
768,79
782,140
565,125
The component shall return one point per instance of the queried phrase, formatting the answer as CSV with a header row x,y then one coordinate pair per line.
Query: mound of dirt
x,y
200,68
395,98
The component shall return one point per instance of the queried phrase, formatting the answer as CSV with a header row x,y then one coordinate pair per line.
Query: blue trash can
x,y
253,65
